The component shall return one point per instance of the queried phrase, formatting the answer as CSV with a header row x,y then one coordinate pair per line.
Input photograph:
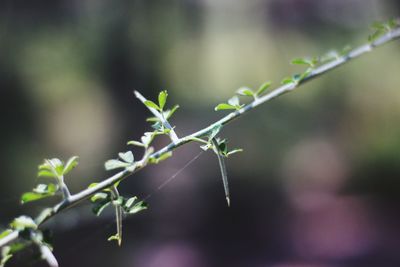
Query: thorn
x,y
228,200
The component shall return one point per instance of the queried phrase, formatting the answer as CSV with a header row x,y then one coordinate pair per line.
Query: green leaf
x,y
127,156
147,138
99,207
71,163
39,192
118,201
377,25
161,158
246,91
224,106
45,188
263,88
115,237
23,222
52,188
115,164
287,80
40,189
170,112
215,130
56,165
92,185
139,206
5,233
99,196
135,143
375,35
299,77
152,119
129,202
199,140
46,173
32,196
151,104
6,255
234,151
162,99
301,61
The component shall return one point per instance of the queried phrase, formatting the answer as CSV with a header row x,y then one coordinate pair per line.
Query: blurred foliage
x,y
67,76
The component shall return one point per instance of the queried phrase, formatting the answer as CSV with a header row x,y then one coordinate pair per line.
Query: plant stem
x,y
177,142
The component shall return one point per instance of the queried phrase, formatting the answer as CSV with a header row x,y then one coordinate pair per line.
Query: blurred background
x,y
317,184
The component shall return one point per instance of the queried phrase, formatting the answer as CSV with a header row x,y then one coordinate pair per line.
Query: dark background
x,y
317,184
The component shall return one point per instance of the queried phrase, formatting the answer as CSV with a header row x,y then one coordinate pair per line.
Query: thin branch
x,y
177,142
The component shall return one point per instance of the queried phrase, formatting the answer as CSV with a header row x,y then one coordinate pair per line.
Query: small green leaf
x,y
139,206
6,255
161,158
39,192
152,119
147,138
99,207
234,151
46,173
71,163
197,139
115,164
162,99
5,233
263,88
375,35
52,188
115,237
151,104
129,202
170,112
92,185
32,196
246,91
56,165
301,61
224,106
377,25
23,222
118,201
127,156
287,80
40,189
99,196
215,130
135,143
